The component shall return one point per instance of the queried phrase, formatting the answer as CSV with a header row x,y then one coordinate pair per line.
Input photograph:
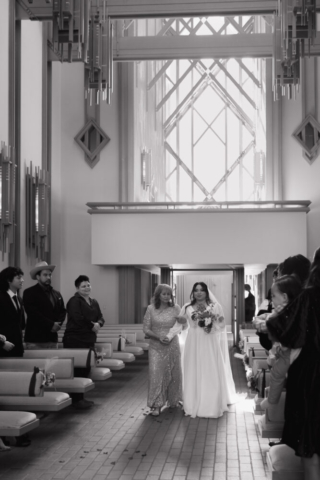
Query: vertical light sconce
x,y
7,197
259,173
146,168
259,168
37,211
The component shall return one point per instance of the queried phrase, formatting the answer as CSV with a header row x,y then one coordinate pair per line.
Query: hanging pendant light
x,y
294,32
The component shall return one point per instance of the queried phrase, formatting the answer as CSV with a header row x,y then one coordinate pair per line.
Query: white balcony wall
x,y
198,238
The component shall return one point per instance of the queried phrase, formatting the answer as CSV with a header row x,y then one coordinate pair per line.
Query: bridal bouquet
x,y
206,318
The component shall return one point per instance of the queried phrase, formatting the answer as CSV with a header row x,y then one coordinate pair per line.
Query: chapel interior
x,y
147,142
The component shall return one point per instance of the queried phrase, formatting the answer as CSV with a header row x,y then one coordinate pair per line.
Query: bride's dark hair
x,y
204,288
156,296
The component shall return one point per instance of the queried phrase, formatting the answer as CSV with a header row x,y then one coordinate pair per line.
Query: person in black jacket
x,y
249,304
84,322
12,322
45,309
84,317
298,265
12,318
297,327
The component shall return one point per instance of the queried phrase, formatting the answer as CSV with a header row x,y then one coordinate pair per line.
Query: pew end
x,y
15,424
283,464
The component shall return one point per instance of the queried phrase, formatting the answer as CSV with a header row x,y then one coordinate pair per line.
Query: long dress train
x,y
208,386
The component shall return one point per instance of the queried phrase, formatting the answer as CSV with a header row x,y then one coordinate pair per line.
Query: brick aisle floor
x,y
115,439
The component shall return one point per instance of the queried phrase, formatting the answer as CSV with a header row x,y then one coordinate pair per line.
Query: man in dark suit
x,y
45,309
12,322
12,319
249,304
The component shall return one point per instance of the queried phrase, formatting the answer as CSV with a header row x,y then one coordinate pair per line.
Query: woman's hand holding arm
x,y
177,328
181,323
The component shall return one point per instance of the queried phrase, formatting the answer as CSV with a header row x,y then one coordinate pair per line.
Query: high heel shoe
x,y
155,412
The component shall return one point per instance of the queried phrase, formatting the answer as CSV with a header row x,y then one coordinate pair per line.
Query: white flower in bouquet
x,y
208,321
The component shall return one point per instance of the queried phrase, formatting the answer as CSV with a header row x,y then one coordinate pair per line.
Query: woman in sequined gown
x,y
165,378
208,386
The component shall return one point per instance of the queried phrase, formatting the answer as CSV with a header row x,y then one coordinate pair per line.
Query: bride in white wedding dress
x,y
208,386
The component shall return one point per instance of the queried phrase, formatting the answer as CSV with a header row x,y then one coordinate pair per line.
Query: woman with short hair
x,y
84,317
84,322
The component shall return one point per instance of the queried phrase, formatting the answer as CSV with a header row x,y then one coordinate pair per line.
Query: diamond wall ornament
x,y
308,136
92,139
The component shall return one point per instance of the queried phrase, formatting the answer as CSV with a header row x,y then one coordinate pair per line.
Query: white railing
x,y
212,207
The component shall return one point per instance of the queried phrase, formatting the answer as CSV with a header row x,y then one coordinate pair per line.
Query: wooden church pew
x,y
83,357
61,367
22,391
283,464
271,423
15,424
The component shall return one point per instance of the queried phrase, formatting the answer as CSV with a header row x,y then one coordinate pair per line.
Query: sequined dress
x,y
165,377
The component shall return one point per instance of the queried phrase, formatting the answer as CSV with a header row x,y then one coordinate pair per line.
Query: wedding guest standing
x,y
165,377
12,319
45,309
84,317
249,303
12,322
298,326
298,265
84,322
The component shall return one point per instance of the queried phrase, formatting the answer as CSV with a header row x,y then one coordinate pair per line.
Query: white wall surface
x,y
198,238
56,187
31,122
75,183
4,77
4,84
301,181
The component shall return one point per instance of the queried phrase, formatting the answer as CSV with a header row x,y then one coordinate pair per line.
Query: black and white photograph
x,y
159,240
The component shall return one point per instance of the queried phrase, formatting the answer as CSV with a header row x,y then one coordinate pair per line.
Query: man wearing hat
x,y
45,309
249,303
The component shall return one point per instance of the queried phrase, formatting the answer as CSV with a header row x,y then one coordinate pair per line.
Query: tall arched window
x,y
213,114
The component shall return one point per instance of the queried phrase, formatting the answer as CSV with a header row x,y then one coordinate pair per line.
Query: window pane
x,y
213,113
